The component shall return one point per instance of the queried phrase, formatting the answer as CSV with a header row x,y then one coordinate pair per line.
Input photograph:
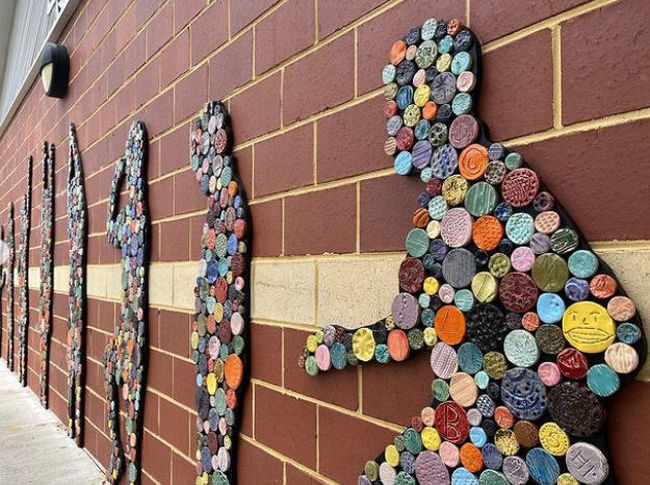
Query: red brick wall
x,y
565,80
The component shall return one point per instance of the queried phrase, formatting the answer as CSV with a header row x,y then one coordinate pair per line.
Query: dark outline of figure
x,y
232,208
77,232
120,367
23,276
47,267
8,279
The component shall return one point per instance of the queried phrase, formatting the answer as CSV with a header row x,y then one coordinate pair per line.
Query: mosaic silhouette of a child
x,y
125,354
220,327
529,331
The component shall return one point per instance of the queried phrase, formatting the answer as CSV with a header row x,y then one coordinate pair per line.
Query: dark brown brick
x,y
247,412
153,326
188,196
175,425
292,432
159,368
630,407
156,458
161,198
285,32
96,342
336,387
343,459
144,9
183,471
249,123
323,79
151,415
148,82
184,383
174,240
244,158
603,78
266,353
294,152
209,30
158,116
254,463
135,55
602,197
232,67
185,11
377,35
335,14
321,222
175,332
412,378
173,150
94,410
298,477
492,19
175,59
517,89
190,93
266,220
161,28
387,206
243,13
351,142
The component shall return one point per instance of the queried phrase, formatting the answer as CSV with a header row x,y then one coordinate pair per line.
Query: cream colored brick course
x,y
161,284
356,291
184,283
284,290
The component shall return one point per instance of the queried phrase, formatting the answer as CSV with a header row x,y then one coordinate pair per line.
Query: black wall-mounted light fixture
x,y
55,70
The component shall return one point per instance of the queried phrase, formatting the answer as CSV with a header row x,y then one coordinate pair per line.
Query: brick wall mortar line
x,y
556,49
356,63
316,294
170,399
285,459
317,438
228,19
360,388
253,67
144,472
323,186
593,124
315,152
168,444
315,22
358,217
253,390
283,225
547,23
333,407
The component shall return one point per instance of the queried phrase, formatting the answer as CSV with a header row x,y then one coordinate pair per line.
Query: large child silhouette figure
x,y
529,332
220,335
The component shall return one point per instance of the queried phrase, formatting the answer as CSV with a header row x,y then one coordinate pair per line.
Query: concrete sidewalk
x,y
34,446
